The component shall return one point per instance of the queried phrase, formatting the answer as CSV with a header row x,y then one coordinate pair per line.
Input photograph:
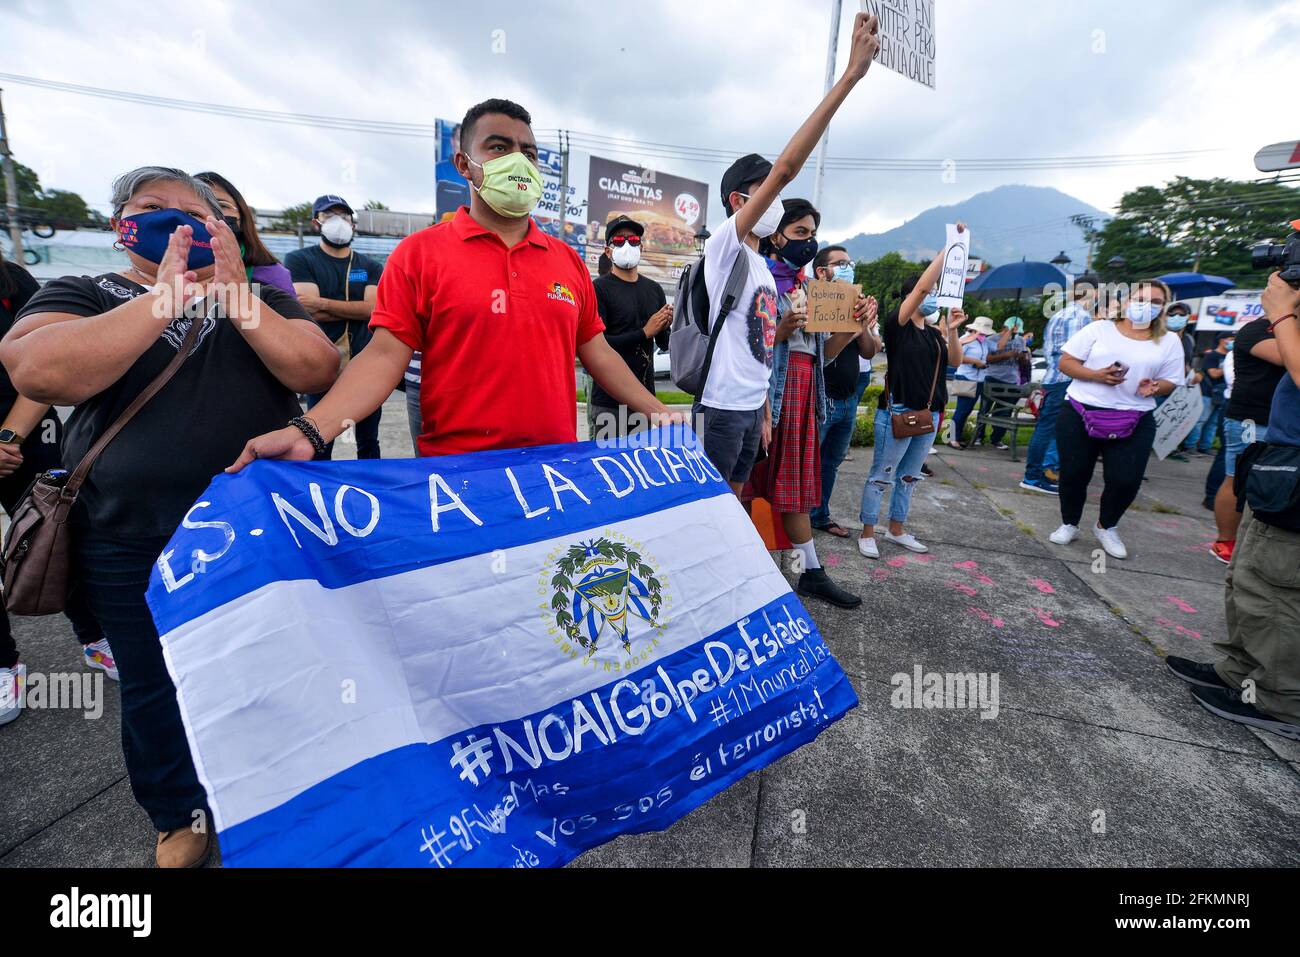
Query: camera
x,y
1284,258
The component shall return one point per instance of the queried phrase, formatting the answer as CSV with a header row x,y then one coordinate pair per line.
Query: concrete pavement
x,y
1096,756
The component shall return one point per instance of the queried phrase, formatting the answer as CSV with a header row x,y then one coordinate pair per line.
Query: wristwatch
x,y
10,437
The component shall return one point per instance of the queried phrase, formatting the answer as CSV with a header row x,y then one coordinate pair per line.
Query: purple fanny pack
x,y
1108,423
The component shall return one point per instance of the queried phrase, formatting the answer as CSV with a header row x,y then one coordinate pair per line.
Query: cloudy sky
x,y
1016,78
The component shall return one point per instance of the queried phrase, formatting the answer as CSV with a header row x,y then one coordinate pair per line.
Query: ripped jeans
x,y
896,463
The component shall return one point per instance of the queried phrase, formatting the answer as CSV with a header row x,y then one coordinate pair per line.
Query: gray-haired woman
x,y
95,343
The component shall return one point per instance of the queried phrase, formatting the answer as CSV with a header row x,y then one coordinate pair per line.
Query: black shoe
x,y
815,583
1228,704
1195,673
925,470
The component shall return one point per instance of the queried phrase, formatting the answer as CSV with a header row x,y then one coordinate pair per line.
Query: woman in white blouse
x,y
1118,369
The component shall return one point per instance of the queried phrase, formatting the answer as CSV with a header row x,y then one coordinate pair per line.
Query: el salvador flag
x,y
499,659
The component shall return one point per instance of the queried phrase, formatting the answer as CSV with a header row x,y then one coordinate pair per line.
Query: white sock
x,y
809,552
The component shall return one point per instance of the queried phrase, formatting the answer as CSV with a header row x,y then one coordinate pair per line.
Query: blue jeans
x,y
965,405
836,434
1203,432
414,417
1042,447
897,463
113,573
1234,442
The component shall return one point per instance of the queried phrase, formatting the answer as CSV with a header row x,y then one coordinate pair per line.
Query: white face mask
x,y
626,256
337,230
1142,314
770,220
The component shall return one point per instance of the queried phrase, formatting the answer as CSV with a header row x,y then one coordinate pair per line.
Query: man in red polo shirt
x,y
497,308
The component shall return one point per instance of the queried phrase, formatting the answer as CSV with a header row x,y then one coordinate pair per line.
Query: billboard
x,y
671,208
1228,313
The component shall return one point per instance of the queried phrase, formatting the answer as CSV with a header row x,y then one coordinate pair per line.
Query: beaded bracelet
x,y
308,428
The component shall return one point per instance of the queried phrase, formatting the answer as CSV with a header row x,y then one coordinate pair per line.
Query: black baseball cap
x,y
748,169
623,222
1179,305
330,201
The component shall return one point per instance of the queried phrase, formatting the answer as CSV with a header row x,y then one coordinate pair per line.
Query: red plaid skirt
x,y
791,475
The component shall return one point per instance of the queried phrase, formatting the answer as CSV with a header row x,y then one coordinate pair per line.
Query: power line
x,y
615,144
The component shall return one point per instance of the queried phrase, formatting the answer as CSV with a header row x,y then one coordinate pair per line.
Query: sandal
x,y
836,529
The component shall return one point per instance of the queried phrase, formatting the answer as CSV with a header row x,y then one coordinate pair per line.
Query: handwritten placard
x,y
830,306
1175,418
952,281
907,39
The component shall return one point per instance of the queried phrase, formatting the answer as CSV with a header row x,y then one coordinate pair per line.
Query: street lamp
x,y
1117,263
1061,261
701,238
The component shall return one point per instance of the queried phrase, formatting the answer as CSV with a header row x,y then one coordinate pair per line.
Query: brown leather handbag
x,y
909,424
37,551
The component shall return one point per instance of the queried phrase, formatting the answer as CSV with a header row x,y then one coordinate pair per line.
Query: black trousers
x,y
114,572
1124,463
40,456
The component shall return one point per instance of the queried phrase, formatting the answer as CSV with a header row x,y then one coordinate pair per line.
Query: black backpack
x,y
1268,479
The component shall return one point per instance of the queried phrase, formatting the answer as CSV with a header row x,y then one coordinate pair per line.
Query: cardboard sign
x,y
1175,418
952,281
907,43
830,306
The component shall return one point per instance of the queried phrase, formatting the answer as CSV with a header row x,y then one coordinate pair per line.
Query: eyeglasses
x,y
847,262
628,240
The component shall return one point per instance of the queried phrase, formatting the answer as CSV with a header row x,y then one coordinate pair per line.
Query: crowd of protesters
x,y
776,413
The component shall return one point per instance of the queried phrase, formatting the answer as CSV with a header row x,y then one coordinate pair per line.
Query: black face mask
x,y
236,227
798,252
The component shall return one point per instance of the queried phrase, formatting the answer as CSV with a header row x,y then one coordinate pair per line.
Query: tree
x,y
1204,225
293,217
376,204
53,205
884,278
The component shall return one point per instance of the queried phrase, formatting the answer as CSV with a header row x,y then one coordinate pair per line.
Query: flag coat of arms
x,y
499,659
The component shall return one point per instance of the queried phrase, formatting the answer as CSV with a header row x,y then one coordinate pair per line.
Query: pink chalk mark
x,y
964,589
1180,605
897,562
832,561
880,574
1042,586
967,565
923,559
993,620
1046,619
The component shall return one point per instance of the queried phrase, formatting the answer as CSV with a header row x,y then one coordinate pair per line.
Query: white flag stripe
x,y
269,734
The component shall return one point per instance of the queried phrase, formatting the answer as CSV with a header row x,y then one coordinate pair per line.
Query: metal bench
x,y
1005,410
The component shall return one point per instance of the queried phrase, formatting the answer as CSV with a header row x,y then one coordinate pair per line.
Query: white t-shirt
x,y
1100,344
1229,375
742,361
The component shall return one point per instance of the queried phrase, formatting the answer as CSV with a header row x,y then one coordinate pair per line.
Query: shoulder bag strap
x,y
73,485
730,293
935,384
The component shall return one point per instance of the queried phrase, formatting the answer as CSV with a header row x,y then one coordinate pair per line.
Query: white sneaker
x,y
12,681
868,548
1064,535
908,542
1109,538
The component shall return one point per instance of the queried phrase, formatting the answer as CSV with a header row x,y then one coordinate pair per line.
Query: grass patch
x,y
1164,509
1027,529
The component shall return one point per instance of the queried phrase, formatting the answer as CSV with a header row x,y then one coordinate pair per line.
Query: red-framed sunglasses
x,y
630,240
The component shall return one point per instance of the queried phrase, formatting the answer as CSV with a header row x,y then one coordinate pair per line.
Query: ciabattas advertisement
x,y
672,209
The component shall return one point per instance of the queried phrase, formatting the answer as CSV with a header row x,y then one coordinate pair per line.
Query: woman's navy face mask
x,y
147,235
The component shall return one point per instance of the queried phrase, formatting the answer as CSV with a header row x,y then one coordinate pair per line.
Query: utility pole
x,y
11,189
564,182
830,81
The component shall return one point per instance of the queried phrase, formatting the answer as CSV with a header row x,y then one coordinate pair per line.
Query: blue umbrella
x,y
1195,285
1013,280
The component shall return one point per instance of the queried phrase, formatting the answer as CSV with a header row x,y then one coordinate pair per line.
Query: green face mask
x,y
511,185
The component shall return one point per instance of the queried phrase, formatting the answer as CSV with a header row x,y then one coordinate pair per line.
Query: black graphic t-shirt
x,y
222,396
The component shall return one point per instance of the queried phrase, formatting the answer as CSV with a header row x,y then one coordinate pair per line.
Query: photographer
x,y
1258,681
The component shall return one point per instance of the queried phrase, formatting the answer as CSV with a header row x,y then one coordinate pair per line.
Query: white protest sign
x,y
907,43
1175,418
952,281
